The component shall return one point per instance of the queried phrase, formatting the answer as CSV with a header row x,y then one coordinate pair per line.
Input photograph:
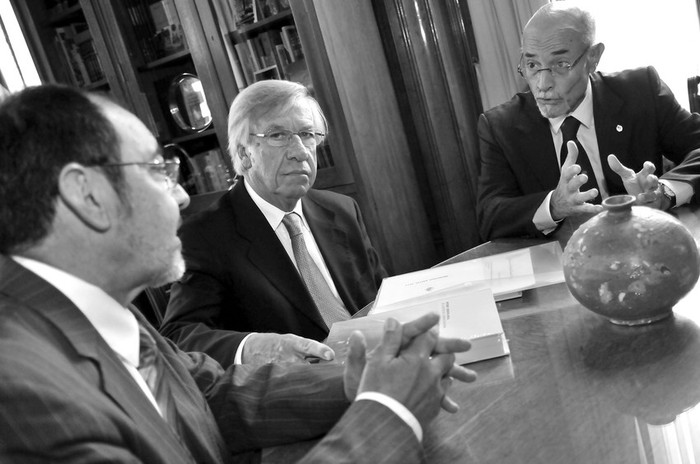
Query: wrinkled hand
x,y
412,365
644,185
567,200
263,348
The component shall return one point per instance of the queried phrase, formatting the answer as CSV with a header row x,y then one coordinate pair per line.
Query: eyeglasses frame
x,y
551,68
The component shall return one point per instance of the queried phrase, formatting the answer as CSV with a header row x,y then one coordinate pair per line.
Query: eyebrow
x,y
560,52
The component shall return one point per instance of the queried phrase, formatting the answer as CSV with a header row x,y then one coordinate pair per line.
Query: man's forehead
x,y
137,142
557,41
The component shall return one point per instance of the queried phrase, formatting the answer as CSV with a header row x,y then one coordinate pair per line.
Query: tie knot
x,y
292,222
569,128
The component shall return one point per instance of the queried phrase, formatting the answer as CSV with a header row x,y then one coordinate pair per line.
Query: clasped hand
x,y
412,364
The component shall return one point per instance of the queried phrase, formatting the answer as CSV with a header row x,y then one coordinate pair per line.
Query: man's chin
x,y
174,272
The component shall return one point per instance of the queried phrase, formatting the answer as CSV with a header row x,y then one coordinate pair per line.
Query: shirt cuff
x,y
543,218
239,352
684,191
397,408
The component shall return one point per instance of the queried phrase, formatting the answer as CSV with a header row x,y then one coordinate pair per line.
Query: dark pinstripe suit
x,y
66,397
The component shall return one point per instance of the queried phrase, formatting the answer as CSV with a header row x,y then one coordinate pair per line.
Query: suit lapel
x,y
20,284
610,125
536,137
267,253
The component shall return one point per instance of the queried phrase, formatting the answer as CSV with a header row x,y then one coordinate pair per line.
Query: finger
x,y
571,156
357,351
423,345
451,345
444,363
462,374
307,348
447,403
391,339
418,326
648,168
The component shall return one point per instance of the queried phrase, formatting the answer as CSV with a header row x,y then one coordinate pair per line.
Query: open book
x,y
507,274
469,314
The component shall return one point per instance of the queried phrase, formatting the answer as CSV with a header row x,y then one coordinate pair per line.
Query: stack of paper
x,y
507,274
470,314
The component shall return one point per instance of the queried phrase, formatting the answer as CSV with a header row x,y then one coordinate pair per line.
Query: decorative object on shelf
x,y
188,104
631,264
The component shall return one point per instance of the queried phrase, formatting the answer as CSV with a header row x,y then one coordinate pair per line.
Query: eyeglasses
x,y
282,138
170,169
560,68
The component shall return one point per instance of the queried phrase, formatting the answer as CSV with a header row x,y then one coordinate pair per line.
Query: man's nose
x,y
544,80
182,198
297,150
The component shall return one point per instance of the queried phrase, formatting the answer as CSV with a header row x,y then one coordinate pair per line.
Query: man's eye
x,y
563,65
306,135
278,135
531,65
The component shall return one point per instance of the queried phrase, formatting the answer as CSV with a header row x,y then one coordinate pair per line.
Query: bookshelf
x,y
134,50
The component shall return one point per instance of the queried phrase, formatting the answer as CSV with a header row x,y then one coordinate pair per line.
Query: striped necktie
x,y
331,308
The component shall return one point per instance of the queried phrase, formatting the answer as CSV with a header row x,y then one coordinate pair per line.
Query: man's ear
x,y
86,192
245,159
595,54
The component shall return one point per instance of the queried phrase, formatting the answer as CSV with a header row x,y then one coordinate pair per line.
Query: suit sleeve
x,y
195,303
679,132
502,209
276,404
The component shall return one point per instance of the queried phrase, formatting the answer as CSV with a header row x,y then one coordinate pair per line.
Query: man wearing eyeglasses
x,y
89,215
273,256
550,155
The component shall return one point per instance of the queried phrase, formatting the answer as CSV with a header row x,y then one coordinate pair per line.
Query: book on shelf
x,y
69,53
247,62
244,12
143,27
506,274
253,50
470,314
292,43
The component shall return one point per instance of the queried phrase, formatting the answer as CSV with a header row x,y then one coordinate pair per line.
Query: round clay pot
x,y
631,264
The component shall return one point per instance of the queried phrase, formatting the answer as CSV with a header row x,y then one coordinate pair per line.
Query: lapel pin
x,y
618,128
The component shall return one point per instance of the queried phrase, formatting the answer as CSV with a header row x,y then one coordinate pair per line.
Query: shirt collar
x,y
116,324
584,112
272,214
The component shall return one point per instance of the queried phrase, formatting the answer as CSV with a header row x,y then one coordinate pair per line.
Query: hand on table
x,y
567,200
644,185
262,348
412,365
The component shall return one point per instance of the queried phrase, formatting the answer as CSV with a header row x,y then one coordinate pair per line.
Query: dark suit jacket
x,y
239,277
65,396
636,118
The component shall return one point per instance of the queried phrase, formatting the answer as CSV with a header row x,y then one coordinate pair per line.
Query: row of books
x,y
270,55
77,51
236,13
156,26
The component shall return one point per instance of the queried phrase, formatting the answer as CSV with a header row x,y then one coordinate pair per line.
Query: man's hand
x,y
263,348
643,185
408,366
566,199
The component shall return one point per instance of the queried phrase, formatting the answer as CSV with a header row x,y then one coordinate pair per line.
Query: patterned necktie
x,y
153,371
330,307
569,129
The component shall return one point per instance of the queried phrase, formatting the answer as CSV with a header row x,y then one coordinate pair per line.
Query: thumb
x,y
571,155
618,168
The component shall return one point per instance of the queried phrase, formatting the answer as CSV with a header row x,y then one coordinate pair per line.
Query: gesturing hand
x,y
412,365
566,199
262,348
644,185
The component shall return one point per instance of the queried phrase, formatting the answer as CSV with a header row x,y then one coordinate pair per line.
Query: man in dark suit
x,y
535,179
243,273
90,210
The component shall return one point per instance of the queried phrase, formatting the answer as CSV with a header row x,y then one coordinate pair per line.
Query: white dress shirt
x,y
115,324
586,135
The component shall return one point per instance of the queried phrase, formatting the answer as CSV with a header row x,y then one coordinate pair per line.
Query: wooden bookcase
x,y
126,56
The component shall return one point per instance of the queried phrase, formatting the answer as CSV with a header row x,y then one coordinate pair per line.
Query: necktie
x,y
330,307
152,369
569,129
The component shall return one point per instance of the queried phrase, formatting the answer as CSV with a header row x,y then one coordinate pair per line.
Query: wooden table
x,y
575,388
